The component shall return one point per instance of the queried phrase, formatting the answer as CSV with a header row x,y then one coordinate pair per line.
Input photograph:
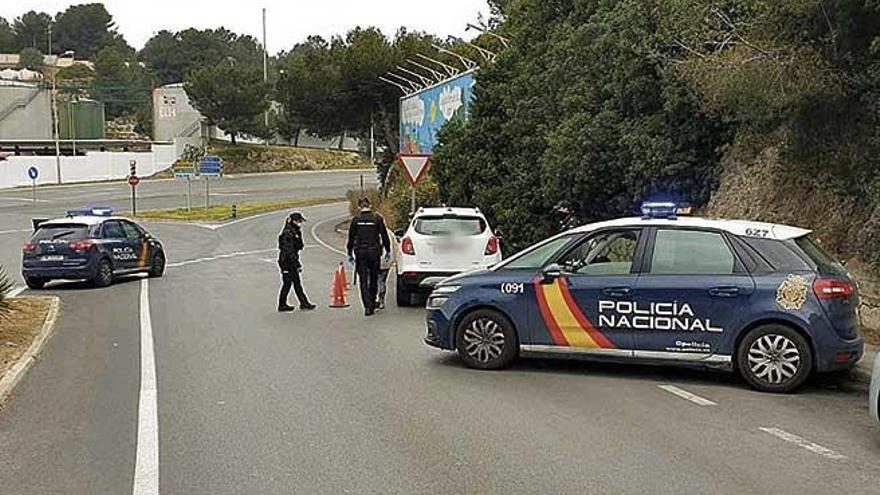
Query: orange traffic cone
x,y
344,276
337,295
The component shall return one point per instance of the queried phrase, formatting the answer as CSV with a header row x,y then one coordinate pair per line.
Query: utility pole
x,y
265,72
55,118
372,142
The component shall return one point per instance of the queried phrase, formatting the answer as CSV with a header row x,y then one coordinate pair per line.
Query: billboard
x,y
422,114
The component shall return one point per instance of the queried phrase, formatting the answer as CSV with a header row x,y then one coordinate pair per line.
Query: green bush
x,y
5,288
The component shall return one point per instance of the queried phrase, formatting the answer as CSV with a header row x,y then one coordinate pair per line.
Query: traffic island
x,y
24,330
222,212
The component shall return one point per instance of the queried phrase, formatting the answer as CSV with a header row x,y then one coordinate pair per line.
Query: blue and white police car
x,y
761,299
89,244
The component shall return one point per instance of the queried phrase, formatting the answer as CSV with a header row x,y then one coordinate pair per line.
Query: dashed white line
x,y
803,443
684,394
146,471
17,231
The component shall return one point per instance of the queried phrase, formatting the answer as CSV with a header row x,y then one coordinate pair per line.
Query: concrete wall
x,y
94,166
25,112
173,115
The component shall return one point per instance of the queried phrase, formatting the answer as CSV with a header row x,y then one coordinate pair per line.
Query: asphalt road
x,y
253,401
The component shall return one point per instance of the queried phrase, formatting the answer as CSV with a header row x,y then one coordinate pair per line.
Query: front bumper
x,y
438,331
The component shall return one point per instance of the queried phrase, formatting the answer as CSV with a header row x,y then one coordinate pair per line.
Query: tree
x,y
7,37
232,97
30,58
121,83
32,30
581,121
85,29
173,55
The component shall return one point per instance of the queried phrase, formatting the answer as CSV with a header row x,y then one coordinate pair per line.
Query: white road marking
x,y
321,242
684,394
146,470
18,231
803,442
23,200
16,291
219,257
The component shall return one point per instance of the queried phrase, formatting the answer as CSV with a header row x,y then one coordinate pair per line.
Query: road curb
x,y
865,367
20,368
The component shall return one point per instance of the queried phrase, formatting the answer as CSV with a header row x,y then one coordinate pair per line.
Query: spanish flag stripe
x,y
555,332
584,322
574,333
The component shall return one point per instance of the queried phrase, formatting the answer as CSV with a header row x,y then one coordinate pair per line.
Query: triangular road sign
x,y
415,166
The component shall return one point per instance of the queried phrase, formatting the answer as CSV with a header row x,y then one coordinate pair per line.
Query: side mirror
x,y
551,272
399,233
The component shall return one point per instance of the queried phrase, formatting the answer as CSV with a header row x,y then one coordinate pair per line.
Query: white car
x,y
874,396
439,243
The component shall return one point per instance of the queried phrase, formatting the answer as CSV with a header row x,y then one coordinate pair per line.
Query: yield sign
x,y
415,166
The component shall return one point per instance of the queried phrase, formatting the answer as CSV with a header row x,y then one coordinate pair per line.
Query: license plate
x,y
56,257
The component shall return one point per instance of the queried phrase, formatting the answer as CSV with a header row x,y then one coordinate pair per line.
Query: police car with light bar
x,y
757,298
89,244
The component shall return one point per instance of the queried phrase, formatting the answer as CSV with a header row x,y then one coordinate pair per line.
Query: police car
x,y
89,244
440,242
762,299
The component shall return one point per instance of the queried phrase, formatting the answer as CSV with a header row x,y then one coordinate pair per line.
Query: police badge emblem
x,y
792,292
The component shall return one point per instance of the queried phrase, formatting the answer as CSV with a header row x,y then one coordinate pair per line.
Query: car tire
x,y
104,274
486,340
774,358
157,266
35,283
404,296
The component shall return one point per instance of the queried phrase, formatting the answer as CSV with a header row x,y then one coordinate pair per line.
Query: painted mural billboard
x,y
422,114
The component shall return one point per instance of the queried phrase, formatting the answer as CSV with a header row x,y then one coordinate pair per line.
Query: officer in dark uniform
x,y
290,243
367,240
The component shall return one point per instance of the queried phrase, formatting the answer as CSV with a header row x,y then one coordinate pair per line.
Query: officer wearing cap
x,y
367,239
290,243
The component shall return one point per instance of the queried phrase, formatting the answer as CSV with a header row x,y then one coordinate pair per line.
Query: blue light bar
x,y
95,211
658,209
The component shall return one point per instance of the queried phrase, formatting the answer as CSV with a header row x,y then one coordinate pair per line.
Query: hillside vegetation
x,y
250,158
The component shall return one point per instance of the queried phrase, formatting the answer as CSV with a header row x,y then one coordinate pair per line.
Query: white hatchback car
x,y
439,243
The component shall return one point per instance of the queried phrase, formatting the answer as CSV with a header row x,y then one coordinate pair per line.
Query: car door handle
x,y
617,291
724,291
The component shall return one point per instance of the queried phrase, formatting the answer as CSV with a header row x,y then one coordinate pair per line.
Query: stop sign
x,y
134,180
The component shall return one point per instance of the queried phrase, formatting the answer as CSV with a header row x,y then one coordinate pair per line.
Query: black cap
x,y
297,216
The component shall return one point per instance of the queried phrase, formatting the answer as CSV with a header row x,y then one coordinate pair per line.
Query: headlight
x,y
435,302
445,289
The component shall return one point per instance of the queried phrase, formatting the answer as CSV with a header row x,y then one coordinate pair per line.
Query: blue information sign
x,y
33,173
211,166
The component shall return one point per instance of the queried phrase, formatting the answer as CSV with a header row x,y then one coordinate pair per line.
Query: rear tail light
x,y
833,288
406,245
30,247
492,246
80,245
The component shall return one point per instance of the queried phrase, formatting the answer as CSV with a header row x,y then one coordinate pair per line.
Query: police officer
x,y
367,240
290,243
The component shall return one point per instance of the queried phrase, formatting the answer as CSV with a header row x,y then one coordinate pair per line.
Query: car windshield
x,y
449,225
62,232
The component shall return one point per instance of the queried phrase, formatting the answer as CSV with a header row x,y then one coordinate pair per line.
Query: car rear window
x,y
62,232
825,264
782,255
449,225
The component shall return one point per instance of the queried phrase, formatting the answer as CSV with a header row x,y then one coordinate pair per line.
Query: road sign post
x,y
415,166
133,181
186,170
33,173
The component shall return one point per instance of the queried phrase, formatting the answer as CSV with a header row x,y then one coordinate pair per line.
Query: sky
x,y
288,21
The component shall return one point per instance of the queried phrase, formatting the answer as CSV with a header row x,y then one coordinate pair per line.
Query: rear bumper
x,y
422,281
842,356
74,271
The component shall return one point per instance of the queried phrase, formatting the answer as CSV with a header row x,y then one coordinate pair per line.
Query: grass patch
x,y
224,211
18,327
244,158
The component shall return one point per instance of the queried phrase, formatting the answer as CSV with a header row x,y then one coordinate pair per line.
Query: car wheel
x,y
35,283
774,358
104,276
486,340
157,267
404,296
